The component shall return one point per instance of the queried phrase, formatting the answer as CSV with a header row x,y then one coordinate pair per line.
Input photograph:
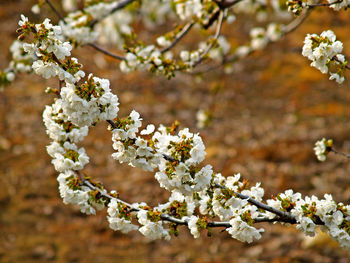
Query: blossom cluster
x,y
261,37
134,150
309,211
325,51
68,119
76,28
297,7
322,148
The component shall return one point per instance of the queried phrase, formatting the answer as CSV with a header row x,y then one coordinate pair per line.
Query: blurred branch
x,y
296,22
182,33
106,52
340,153
233,58
55,10
102,50
213,40
222,5
324,4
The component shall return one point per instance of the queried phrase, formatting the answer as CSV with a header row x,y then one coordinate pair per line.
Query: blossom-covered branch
x,y
198,196
112,23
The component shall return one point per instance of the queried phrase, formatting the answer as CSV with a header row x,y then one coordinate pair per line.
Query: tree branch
x,y
341,153
182,33
55,10
282,216
324,4
106,52
211,45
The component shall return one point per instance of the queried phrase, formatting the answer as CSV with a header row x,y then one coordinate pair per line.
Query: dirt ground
x,y
267,116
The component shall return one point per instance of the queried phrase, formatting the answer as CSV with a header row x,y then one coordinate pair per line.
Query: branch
x,y
296,22
211,45
324,4
222,5
288,29
182,33
106,52
177,221
165,217
55,10
341,153
336,59
282,215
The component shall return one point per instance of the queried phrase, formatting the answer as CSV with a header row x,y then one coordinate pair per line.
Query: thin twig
x,y
336,59
341,153
226,4
182,33
288,29
213,41
324,4
222,5
55,10
296,22
106,52
165,217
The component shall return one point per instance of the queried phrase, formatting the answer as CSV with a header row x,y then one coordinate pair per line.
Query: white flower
x,y
338,5
189,8
10,76
68,157
322,50
307,226
70,196
163,42
46,70
339,79
59,128
321,149
152,230
115,221
69,5
192,226
202,118
274,31
242,51
23,20
241,231
35,9
185,55
61,50
203,204
203,178
231,18
259,39
149,129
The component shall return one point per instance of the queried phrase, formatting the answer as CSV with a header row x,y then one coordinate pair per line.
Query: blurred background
x,y
267,115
